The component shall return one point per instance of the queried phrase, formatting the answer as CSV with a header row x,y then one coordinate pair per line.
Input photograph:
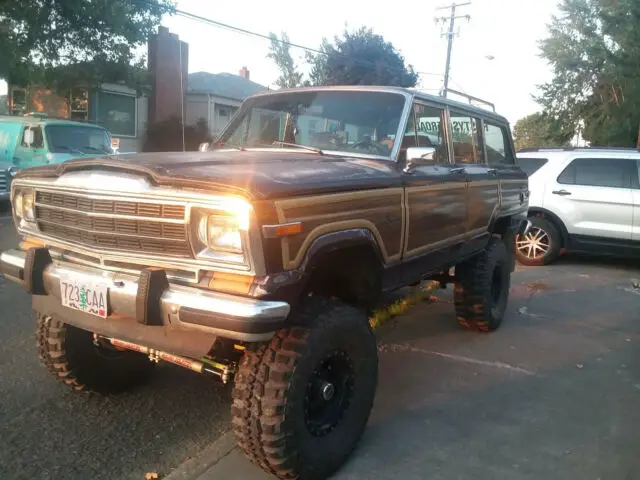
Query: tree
x,y
280,53
39,36
360,58
593,48
540,130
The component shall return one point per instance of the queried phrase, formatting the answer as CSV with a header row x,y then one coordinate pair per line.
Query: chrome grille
x,y
119,225
4,180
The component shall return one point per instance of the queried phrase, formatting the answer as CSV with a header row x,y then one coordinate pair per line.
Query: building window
x,y
79,103
117,113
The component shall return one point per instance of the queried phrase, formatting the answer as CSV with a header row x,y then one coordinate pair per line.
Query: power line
x,y
216,23
450,34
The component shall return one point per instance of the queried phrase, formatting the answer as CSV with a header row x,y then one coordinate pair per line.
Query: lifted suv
x,y
260,259
582,199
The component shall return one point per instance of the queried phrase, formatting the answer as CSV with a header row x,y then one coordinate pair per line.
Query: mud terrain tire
x,y
70,355
481,291
284,418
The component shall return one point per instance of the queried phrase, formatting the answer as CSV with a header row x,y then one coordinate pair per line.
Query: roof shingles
x,y
223,85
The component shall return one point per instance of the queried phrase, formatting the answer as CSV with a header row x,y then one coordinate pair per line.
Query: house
x,y
215,97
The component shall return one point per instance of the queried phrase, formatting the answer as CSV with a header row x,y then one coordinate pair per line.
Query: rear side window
x,y
530,165
601,172
498,145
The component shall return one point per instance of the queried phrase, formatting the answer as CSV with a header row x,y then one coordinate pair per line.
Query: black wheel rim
x,y
328,393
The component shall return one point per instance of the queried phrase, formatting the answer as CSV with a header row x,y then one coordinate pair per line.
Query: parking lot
x,y
555,393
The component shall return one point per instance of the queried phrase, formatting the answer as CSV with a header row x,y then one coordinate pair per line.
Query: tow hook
x,y
208,365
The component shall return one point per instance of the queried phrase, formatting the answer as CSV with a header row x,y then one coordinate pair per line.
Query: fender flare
x,y
340,239
543,212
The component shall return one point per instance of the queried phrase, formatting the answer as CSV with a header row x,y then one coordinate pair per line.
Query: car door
x,y
635,192
483,184
435,193
594,198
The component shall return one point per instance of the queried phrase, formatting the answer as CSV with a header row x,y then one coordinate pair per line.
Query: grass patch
x,y
419,294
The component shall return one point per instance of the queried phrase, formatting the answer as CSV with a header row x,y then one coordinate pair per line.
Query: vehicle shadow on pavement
x,y
553,394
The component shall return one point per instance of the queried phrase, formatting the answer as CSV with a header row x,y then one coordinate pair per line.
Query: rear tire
x,y
481,291
541,245
69,354
301,402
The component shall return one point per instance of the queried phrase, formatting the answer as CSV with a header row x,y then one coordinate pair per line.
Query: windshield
x,y
345,121
77,139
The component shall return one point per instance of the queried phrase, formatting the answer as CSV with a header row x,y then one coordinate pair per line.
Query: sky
x,y
506,30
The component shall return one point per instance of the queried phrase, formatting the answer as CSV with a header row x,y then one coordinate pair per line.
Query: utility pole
x,y
450,33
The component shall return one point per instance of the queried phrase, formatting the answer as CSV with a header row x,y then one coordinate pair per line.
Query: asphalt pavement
x,y
555,393
49,432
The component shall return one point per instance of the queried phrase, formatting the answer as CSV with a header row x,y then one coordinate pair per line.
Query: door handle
x,y
492,171
458,170
561,192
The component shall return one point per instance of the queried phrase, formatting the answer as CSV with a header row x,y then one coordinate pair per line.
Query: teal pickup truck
x,y
31,141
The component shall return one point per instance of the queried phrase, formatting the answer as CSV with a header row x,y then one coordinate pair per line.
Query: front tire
x,y
301,403
70,355
481,291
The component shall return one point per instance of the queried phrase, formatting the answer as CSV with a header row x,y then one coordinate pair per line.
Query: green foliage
x,y
40,37
593,48
280,53
357,58
166,136
540,130
360,58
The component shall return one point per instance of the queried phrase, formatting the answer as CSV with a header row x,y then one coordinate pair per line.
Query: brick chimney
x,y
166,55
244,73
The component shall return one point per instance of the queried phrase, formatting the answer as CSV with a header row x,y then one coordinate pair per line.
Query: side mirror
x,y
28,137
419,156
204,147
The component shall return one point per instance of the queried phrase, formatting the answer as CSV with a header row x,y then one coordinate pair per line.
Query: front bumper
x,y
146,309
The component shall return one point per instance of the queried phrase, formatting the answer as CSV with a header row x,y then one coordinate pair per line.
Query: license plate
x,y
88,297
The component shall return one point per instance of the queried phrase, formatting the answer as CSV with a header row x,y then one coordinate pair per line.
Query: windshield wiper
x,y
96,149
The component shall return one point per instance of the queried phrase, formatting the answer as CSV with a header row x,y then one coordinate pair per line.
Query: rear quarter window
x,y
531,165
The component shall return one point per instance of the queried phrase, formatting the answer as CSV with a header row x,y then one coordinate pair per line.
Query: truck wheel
x,y
301,402
70,355
541,245
482,290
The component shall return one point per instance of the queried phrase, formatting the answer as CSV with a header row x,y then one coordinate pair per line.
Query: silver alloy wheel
x,y
535,244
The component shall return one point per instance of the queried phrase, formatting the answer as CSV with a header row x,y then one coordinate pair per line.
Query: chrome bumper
x,y
139,304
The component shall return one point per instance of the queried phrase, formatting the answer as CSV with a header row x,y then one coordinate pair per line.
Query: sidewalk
x,y
524,402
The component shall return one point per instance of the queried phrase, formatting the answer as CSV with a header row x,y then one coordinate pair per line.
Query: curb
x,y
195,467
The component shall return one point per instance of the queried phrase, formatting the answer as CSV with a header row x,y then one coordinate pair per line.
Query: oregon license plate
x,y
88,297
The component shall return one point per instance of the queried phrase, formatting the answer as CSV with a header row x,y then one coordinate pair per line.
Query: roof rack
x,y
471,98
570,149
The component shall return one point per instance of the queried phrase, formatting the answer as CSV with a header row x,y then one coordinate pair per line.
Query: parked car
x,y
582,199
260,260
35,140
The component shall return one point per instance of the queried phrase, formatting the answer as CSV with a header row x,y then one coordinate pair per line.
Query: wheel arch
x,y
347,264
553,218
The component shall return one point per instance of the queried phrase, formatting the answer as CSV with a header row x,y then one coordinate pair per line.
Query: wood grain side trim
x,y
327,214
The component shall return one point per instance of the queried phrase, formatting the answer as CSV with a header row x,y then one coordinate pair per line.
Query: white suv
x,y
582,199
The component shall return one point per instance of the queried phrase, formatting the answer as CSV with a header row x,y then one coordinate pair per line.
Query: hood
x,y
254,174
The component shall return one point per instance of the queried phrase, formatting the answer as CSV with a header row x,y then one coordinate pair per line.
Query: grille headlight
x,y
24,205
221,234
